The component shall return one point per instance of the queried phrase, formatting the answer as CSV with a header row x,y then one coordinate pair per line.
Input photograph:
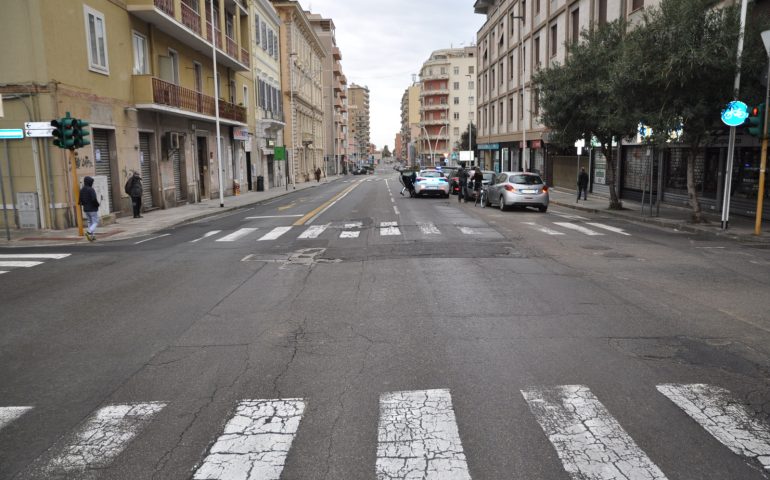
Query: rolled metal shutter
x,y
146,162
176,161
102,159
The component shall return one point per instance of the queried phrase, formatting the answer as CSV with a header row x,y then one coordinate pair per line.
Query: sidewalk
x,y
152,221
677,218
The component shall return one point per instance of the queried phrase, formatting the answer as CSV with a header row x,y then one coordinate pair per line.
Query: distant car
x,y
522,189
431,182
359,171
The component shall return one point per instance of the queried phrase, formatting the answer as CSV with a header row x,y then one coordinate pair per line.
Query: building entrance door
x,y
203,162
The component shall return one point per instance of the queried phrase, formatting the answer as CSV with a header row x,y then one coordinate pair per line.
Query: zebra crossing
x,y
563,228
418,436
26,260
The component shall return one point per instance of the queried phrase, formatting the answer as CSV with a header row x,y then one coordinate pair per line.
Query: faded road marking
x,y
18,264
274,233
389,229
101,438
314,231
727,420
207,235
152,238
589,441
417,437
611,229
578,228
9,414
272,216
238,234
469,231
350,234
55,256
545,230
429,229
255,442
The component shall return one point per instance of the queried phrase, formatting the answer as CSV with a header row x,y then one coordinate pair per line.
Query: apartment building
x,y
410,122
334,94
141,72
302,58
270,121
358,138
447,97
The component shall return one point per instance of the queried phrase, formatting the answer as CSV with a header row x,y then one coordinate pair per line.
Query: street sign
x,y
735,114
11,133
38,129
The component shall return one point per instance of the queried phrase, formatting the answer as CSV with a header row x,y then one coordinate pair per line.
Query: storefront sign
x,y
240,133
488,146
279,153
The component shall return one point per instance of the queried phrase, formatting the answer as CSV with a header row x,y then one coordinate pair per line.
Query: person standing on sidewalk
x,y
134,190
90,207
582,184
318,174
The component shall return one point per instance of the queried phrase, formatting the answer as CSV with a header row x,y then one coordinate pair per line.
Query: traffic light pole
x,y
763,161
76,192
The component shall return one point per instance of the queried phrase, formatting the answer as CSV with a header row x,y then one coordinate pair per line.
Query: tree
x,y
463,143
385,152
586,98
681,69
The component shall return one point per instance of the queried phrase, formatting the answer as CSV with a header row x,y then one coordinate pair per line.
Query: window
x,y
456,131
536,102
256,26
602,12
575,20
492,79
501,112
264,36
537,7
456,116
443,70
174,63
245,95
554,42
232,91
456,101
456,70
492,116
524,11
636,4
97,41
510,109
521,106
501,74
198,74
470,69
471,100
456,85
536,53
523,59
141,63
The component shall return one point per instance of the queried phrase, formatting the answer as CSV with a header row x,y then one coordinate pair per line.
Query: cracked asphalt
x,y
490,350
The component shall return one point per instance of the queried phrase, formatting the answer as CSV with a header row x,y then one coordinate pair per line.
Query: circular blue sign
x,y
735,114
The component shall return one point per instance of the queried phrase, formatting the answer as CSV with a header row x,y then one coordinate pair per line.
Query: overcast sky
x,y
384,42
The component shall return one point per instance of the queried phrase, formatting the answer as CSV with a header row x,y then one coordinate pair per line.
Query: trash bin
x,y
260,183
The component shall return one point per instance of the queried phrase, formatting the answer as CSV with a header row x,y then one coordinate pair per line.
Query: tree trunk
x,y
692,192
615,203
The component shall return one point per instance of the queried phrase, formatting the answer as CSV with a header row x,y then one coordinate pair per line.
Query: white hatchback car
x,y
431,182
522,189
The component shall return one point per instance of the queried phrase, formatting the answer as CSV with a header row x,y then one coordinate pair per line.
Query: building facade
x,y
410,122
358,138
302,58
141,72
447,102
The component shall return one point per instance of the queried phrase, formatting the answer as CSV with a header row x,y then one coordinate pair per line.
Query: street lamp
x,y
427,136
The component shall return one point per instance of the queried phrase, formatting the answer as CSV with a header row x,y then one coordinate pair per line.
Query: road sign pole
x,y
2,192
76,192
763,159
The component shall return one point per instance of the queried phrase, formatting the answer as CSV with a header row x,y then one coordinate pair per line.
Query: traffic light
x,y
757,121
79,133
63,131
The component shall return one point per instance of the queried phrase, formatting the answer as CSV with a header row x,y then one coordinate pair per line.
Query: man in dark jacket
x,y
582,185
134,190
462,181
90,207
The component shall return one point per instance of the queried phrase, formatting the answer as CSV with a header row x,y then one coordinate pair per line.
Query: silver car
x,y
431,182
518,189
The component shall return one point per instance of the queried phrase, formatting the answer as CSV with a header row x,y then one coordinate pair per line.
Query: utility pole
x,y
763,158
216,108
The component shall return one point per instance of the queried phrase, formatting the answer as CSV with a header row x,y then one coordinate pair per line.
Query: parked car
x,y
431,182
522,189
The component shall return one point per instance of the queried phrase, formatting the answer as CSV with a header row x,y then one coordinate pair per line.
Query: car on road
x,y
521,189
431,182
485,182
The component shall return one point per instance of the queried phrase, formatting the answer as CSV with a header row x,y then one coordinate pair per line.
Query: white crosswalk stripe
x,y
418,437
9,414
723,416
429,229
389,229
236,235
206,235
609,228
469,231
578,228
19,263
542,229
274,233
314,231
255,442
588,440
53,256
100,439
350,234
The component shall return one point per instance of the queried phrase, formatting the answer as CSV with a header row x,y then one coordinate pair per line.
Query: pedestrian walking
x,y
90,205
462,180
582,184
478,180
318,175
134,190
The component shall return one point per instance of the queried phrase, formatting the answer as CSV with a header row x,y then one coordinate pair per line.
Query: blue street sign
x,y
735,114
11,133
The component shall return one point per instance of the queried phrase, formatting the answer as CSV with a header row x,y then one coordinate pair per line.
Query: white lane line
x,y
101,438
589,441
152,238
469,231
389,229
350,234
724,417
274,233
545,230
417,437
429,229
395,209
3,271
9,414
55,256
207,235
273,216
237,235
611,229
314,231
578,228
255,442
18,264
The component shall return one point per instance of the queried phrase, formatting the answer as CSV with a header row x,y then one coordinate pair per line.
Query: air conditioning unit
x,y
173,140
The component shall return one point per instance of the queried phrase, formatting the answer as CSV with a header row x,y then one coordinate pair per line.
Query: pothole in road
x,y
303,257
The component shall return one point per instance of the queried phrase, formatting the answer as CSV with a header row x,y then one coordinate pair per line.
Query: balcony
x,y
435,121
151,93
185,25
337,54
435,106
435,76
338,68
435,91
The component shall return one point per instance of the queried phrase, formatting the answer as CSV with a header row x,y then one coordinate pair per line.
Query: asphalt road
x,y
347,332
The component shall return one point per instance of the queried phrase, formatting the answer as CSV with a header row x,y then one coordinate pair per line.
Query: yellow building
x,y
141,72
